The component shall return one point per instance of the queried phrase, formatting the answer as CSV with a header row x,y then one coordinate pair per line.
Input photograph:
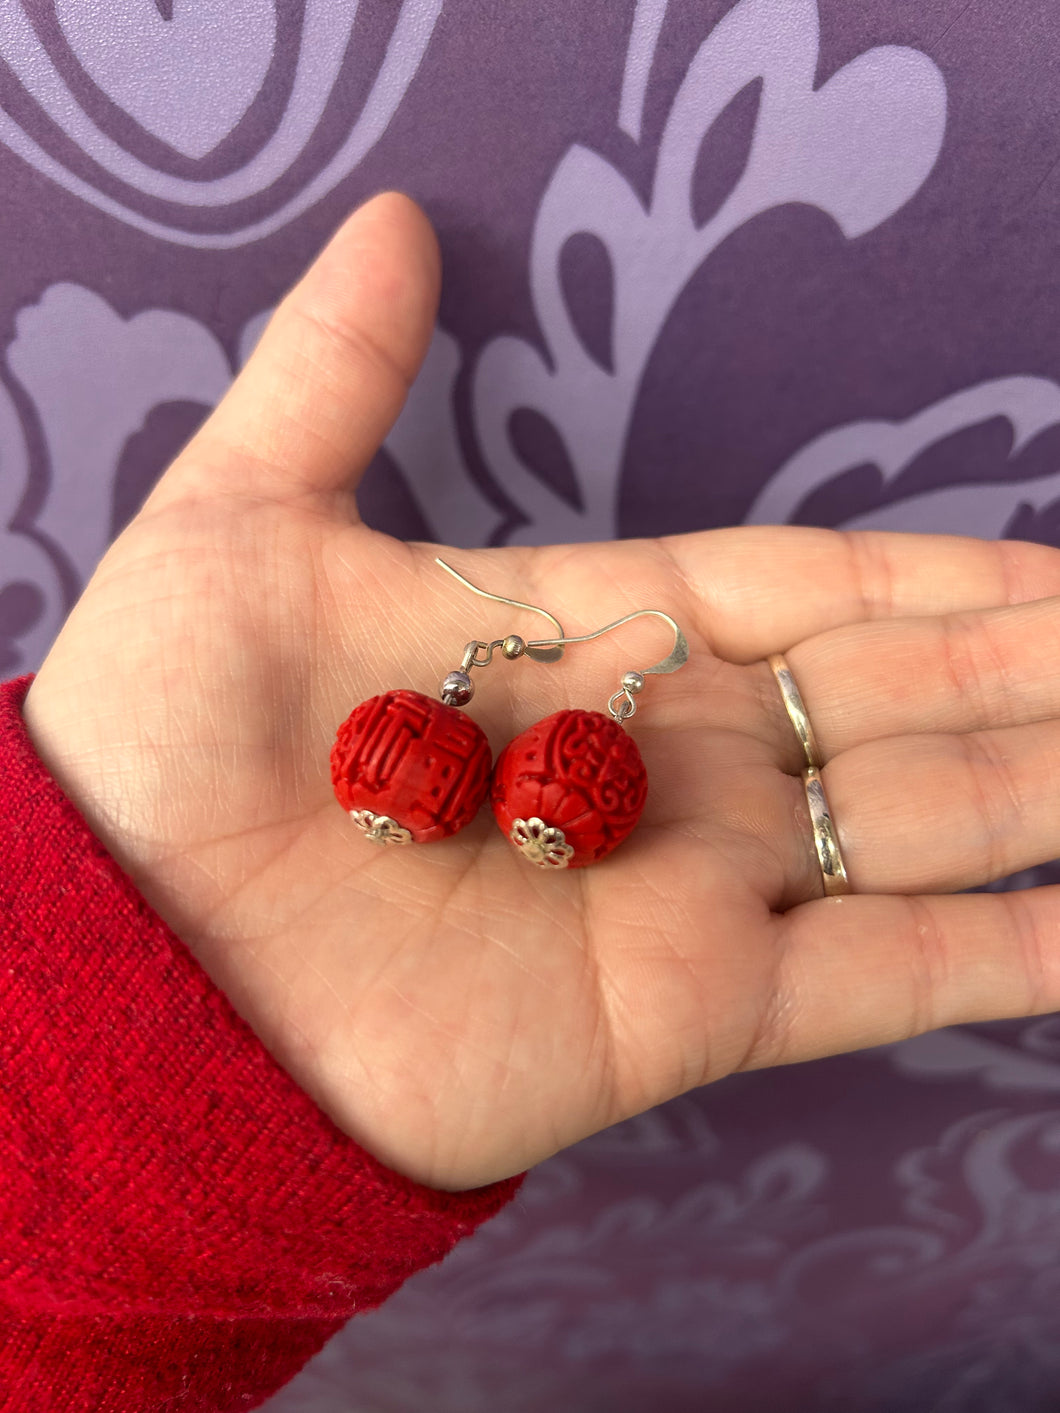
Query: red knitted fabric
x,y
180,1225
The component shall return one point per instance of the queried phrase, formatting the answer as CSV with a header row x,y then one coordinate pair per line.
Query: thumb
x,y
331,371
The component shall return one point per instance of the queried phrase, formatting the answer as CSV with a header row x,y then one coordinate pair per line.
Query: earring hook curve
x,y
677,657
549,649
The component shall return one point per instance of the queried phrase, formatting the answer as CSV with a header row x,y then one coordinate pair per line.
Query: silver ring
x,y
792,699
825,839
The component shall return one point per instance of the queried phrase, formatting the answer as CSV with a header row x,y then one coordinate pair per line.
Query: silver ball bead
x,y
513,646
457,689
633,682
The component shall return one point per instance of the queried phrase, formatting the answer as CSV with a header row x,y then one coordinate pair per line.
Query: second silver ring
x,y
793,705
825,839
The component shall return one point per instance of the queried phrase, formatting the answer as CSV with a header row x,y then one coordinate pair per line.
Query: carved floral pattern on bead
x,y
578,772
423,765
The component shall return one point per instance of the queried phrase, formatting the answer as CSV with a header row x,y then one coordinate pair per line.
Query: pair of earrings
x,y
566,792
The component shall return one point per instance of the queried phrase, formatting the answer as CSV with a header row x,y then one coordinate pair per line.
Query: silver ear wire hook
x,y
621,705
677,658
541,653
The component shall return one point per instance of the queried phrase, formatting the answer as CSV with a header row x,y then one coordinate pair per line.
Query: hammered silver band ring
x,y
825,838
826,842
797,713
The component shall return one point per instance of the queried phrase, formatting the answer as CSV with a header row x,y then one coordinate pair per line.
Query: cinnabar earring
x,y
571,788
411,769
566,792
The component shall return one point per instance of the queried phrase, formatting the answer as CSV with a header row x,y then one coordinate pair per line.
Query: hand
x,y
457,1011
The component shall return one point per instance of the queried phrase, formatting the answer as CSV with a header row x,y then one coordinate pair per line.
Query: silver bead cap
x,y
540,843
380,828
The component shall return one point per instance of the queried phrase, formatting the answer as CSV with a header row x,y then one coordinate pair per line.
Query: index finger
x,y
764,588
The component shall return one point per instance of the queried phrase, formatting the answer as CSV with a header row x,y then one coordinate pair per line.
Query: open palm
x,y
457,1011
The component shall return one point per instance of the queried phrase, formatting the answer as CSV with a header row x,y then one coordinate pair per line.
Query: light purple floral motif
x,y
35,592
1028,405
858,148
93,378
971,1209
1027,1063
187,78
969,1264
425,447
151,64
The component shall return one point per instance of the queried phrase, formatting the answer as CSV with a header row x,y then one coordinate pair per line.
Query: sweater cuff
x,y
154,1158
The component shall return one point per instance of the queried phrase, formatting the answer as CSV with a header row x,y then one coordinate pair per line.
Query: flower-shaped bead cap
x,y
380,828
540,844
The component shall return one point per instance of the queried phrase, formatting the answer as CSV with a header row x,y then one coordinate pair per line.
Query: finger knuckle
x,y
976,663
931,966
994,795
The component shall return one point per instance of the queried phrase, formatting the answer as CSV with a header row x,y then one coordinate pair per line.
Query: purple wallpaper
x,y
705,263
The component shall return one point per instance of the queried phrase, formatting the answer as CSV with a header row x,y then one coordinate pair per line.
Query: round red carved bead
x,y
577,771
422,763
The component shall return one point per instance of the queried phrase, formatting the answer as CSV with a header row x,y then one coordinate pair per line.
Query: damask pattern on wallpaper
x,y
671,1252
857,148
738,1265
115,85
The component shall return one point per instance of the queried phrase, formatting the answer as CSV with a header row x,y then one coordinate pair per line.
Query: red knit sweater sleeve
x,y
180,1225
